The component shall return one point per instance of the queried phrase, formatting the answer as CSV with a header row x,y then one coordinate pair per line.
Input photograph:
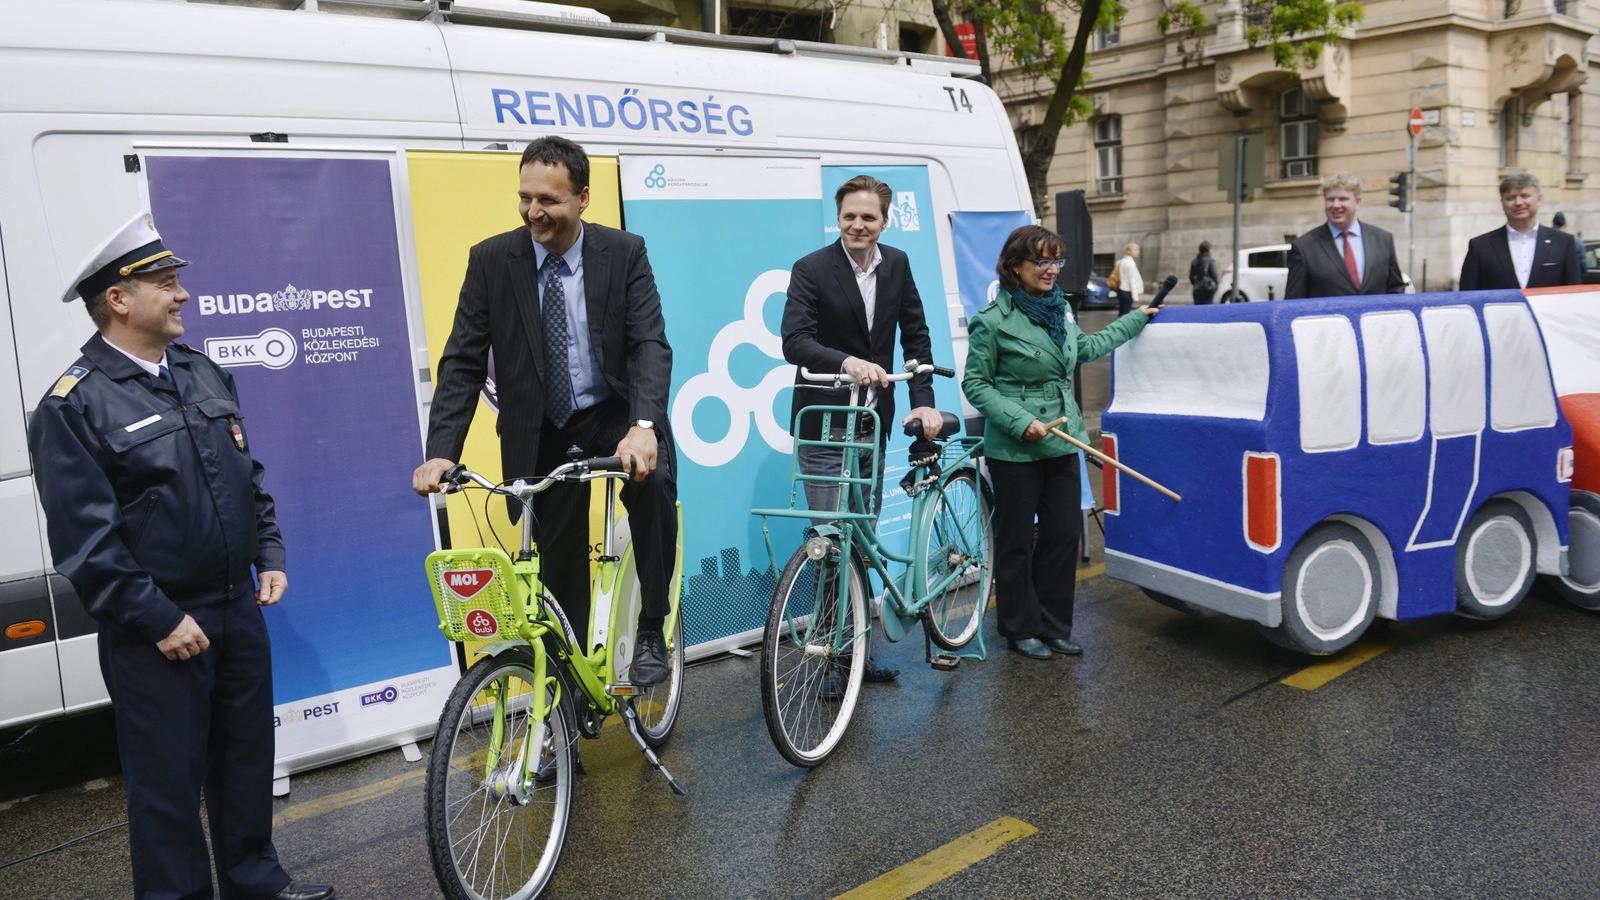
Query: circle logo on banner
x,y
466,583
482,624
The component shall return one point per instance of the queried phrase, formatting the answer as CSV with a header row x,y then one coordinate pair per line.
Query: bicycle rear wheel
x,y
958,537
810,670
491,833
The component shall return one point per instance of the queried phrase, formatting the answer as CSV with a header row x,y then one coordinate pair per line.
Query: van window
x,y
1455,370
1218,370
1330,383
1269,259
1519,380
1396,382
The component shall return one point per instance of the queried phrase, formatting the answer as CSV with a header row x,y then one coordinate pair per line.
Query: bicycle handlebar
x,y
579,470
913,368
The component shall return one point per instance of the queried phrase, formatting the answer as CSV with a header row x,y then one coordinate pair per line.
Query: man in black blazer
x,y
570,311
1524,253
843,306
1344,256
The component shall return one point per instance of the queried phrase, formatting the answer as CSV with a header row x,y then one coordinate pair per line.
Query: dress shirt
x,y
154,368
588,382
1523,245
867,282
1355,244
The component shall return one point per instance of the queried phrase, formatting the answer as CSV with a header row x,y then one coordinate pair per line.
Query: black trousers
x,y
1202,298
1035,580
205,721
563,513
1124,303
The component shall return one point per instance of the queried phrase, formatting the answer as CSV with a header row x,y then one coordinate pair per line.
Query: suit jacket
x,y
1488,264
1017,373
499,312
1316,265
825,321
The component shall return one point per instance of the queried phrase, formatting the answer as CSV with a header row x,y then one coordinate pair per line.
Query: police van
x,y
1345,459
88,87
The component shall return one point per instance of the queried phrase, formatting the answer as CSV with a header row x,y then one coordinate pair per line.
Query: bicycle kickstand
x,y
632,718
944,662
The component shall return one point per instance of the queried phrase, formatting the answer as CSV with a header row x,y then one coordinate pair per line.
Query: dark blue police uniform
x,y
155,510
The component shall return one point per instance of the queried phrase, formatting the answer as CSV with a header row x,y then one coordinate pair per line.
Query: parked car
x,y
1097,296
1264,274
1591,262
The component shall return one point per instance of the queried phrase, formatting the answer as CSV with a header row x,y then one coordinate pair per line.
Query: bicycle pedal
x,y
622,689
944,661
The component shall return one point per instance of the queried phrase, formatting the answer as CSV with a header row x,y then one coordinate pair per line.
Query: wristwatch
x,y
644,423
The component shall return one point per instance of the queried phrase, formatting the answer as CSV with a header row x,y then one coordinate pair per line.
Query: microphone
x,y
1167,285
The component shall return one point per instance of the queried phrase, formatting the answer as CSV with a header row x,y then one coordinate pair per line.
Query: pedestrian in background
x,y
1021,354
1130,284
1203,275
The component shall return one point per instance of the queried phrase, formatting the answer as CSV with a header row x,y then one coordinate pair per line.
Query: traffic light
x,y
1399,191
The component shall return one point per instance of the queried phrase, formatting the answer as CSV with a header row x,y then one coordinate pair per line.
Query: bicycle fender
x,y
499,647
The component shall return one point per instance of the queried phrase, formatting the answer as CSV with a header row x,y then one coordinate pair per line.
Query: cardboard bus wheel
x,y
1331,585
1172,602
1495,559
1581,585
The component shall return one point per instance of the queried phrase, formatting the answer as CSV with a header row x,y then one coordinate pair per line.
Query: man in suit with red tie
x,y
844,305
1346,256
1523,253
571,312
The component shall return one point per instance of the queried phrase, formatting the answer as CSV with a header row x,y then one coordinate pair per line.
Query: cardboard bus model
x,y
1340,459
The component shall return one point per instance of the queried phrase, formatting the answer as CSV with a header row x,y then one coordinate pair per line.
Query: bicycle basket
x,y
478,595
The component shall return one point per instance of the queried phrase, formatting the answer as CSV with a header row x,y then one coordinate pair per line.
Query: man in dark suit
x,y
1345,256
843,307
1524,253
571,313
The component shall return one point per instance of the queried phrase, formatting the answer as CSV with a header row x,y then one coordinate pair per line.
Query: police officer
x,y
156,515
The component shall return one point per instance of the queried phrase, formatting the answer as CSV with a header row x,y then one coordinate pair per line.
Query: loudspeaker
x,y
1077,232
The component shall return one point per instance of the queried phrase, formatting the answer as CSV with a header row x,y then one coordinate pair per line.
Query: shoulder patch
x,y
68,380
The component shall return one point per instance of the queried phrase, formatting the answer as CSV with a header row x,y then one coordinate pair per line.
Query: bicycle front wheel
x,y
958,540
496,826
657,704
811,669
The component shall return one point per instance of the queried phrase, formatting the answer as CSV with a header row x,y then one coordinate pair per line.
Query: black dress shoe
x,y
1063,646
1033,648
306,891
649,658
880,674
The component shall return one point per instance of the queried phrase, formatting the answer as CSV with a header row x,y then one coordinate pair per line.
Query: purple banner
x,y
296,287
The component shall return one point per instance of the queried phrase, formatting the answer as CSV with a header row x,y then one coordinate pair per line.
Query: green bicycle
x,y
811,671
501,769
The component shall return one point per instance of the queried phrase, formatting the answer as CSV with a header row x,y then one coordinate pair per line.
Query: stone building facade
x,y
1502,82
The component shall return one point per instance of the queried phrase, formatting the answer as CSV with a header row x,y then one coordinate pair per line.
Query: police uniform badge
x,y
68,380
238,434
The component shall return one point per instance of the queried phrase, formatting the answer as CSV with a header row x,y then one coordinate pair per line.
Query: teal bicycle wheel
x,y
811,671
957,539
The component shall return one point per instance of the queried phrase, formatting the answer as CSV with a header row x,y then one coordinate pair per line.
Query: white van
x,y
86,86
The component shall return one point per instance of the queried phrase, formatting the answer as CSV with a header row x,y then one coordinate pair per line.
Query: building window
x,y
1108,155
1508,133
1027,139
1297,134
1107,36
767,23
914,39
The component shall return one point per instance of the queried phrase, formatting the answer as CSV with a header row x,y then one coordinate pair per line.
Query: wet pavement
x,y
1168,761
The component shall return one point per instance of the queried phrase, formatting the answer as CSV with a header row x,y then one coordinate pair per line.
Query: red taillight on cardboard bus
x,y
1263,502
1109,476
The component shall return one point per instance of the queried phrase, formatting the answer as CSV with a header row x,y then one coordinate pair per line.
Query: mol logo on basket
x,y
481,623
466,583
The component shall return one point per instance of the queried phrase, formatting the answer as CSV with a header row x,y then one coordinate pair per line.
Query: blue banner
x,y
722,234
978,237
297,288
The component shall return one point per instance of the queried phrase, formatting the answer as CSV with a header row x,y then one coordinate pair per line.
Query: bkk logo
x,y
717,383
387,694
290,299
273,348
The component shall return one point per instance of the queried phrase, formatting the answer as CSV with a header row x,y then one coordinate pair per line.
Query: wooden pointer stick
x,y
1106,459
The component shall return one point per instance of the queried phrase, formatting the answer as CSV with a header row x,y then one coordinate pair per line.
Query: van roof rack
x,y
492,14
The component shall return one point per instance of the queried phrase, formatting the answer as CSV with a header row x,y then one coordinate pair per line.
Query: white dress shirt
x,y
154,368
867,282
1523,245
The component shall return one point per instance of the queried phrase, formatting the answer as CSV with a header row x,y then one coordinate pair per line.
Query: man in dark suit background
x,y
1345,256
571,313
843,306
1523,253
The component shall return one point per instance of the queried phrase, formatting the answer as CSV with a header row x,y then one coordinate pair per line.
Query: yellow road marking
x,y
1094,571
333,802
937,865
1314,676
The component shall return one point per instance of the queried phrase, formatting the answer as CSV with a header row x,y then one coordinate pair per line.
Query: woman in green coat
x,y
1021,352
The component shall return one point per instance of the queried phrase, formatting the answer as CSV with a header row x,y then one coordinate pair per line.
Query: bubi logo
x,y
657,178
482,624
466,583
903,214
387,695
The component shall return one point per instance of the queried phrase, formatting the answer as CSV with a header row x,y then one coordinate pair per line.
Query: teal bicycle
x,y
814,646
